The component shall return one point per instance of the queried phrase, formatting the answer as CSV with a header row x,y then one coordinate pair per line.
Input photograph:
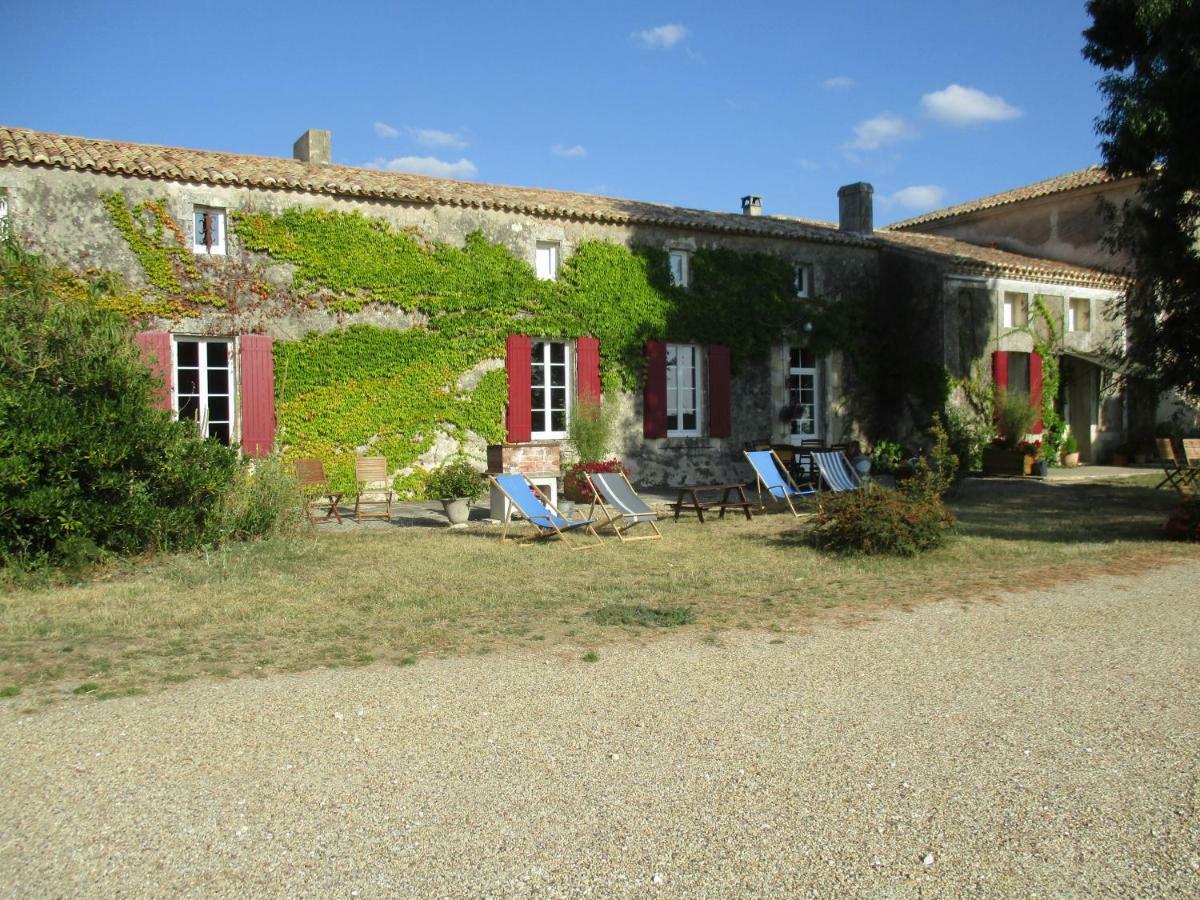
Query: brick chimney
x,y
314,146
751,205
854,208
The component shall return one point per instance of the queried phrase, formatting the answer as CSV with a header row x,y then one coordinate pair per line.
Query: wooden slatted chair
x,y
1191,459
1175,474
374,488
314,491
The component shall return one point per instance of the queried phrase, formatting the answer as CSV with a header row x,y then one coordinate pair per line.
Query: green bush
x,y
969,432
880,521
886,457
88,466
934,473
454,480
590,428
263,501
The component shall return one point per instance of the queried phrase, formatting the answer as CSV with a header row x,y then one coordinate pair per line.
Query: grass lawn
x,y
397,595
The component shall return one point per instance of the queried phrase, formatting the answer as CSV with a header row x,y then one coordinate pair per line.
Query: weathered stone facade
x,y
57,208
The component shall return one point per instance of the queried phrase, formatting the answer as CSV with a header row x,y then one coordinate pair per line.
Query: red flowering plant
x,y
1030,448
575,483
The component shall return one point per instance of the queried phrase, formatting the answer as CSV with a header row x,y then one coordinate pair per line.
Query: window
x,y
1018,373
1016,310
549,392
683,390
1079,314
204,385
803,389
209,234
680,267
803,280
546,260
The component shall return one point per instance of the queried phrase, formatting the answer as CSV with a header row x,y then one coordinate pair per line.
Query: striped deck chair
x,y
612,491
775,485
1175,474
542,517
836,471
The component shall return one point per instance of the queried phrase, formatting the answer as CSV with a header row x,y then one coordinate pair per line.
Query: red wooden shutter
x,y
156,352
718,391
654,406
1035,390
257,394
1000,370
587,368
520,369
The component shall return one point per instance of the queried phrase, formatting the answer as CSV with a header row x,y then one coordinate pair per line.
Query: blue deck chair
x,y
775,485
544,518
612,492
836,471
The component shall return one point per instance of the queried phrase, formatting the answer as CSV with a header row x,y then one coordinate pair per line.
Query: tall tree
x,y
1150,52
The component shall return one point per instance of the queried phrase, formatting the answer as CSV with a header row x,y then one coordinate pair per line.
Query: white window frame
x,y
203,395
802,372
684,278
697,389
217,248
546,407
547,256
803,279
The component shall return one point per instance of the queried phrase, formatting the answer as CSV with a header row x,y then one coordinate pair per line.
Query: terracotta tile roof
x,y
20,145
23,146
974,259
1089,177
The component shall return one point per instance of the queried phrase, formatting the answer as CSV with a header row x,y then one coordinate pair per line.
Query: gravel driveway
x,y
1047,743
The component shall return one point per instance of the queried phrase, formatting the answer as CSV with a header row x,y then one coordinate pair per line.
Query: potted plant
x,y
1014,417
1070,457
456,484
590,431
1034,463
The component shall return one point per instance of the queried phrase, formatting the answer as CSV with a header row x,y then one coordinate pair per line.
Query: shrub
x,y
1014,417
880,521
969,432
886,457
1184,522
454,480
575,484
88,466
933,474
264,500
590,427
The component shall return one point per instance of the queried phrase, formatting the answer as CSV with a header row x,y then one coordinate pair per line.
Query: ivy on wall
x,y
391,392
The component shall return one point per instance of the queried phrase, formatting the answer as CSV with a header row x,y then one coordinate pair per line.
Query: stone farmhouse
x,y
326,310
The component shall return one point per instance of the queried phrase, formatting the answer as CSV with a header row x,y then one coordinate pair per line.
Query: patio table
x,y
700,497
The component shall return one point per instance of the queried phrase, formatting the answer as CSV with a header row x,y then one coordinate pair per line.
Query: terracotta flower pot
x,y
1071,460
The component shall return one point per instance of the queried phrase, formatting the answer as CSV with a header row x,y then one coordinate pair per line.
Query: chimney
x,y
314,146
854,208
751,205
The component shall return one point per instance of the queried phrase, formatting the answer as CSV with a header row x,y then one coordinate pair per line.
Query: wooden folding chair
x,y
314,490
1176,475
611,491
538,512
1191,461
374,488
772,476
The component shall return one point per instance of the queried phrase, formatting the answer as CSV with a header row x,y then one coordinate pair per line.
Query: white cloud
x,y
808,165
665,36
575,151
432,137
885,128
383,130
838,83
958,105
918,197
427,165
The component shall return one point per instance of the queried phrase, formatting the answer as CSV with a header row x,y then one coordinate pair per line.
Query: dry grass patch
x,y
396,595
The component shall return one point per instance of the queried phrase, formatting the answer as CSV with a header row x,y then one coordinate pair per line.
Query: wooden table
x,y
704,496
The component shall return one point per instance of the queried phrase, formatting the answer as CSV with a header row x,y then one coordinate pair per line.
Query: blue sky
x,y
692,104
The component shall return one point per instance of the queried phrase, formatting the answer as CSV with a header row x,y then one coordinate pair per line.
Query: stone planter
x,y
458,510
1003,461
1071,460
